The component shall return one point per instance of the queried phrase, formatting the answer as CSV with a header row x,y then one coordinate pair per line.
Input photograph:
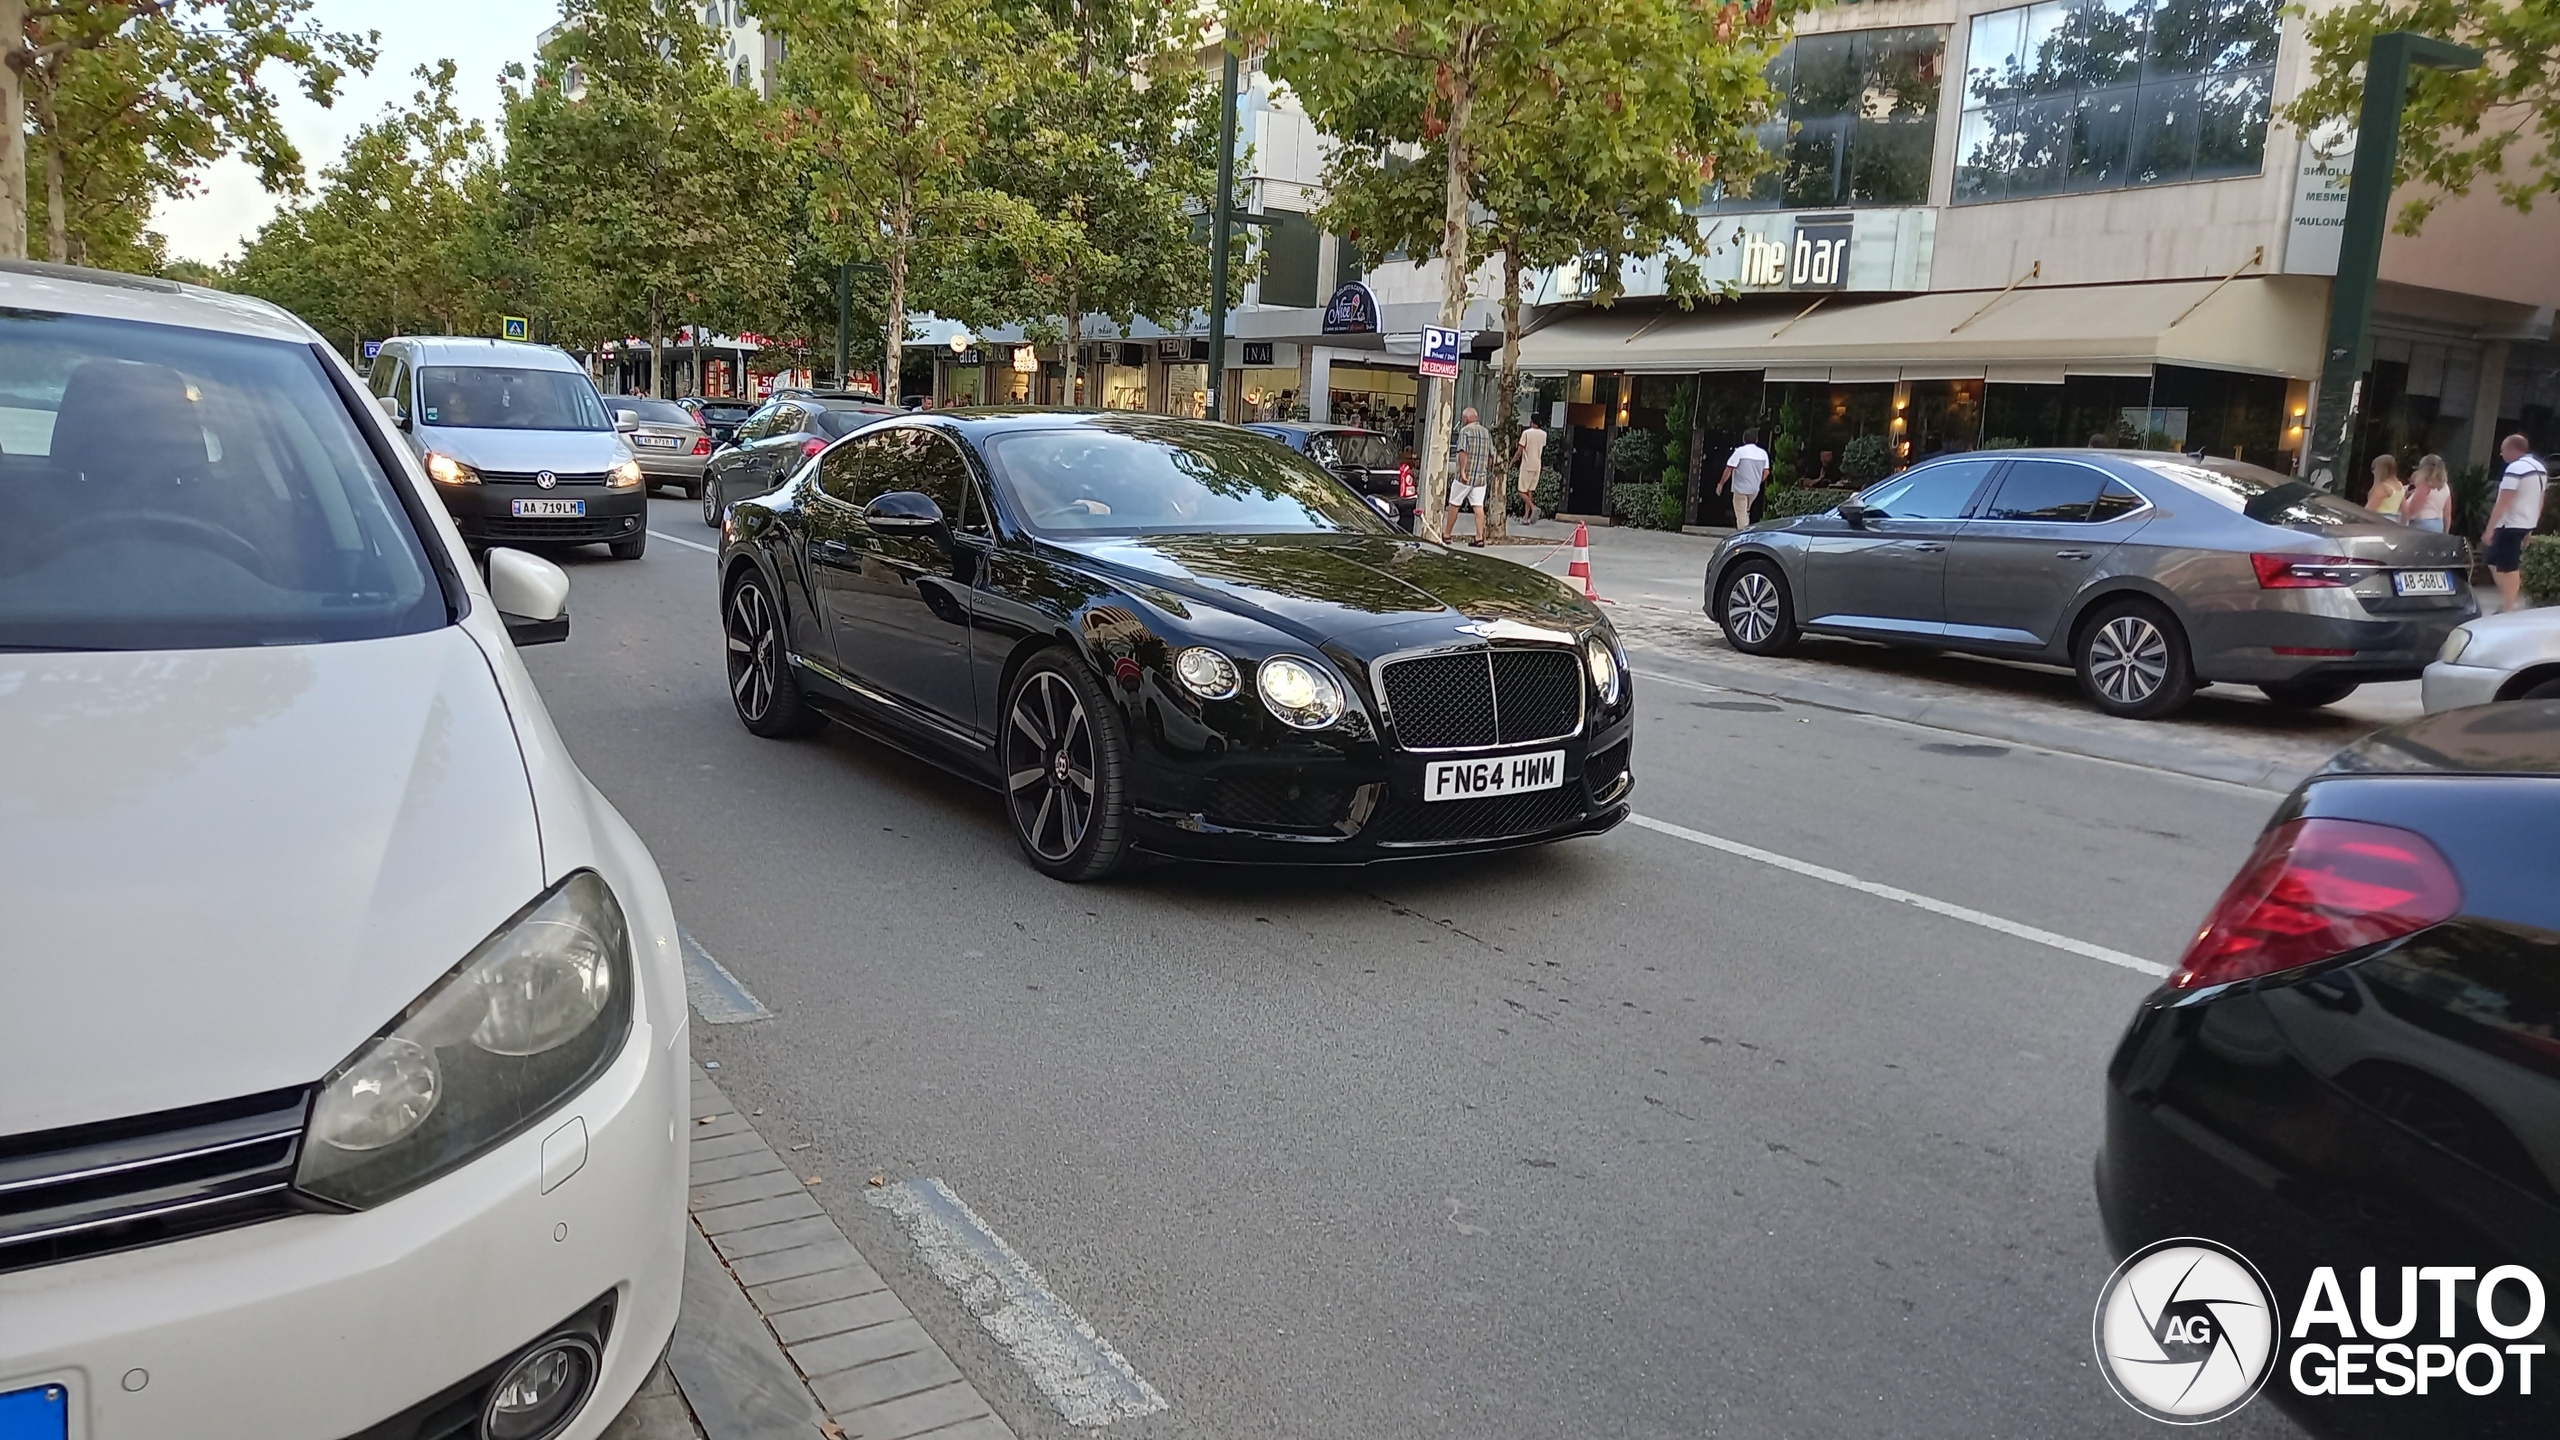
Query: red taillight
x,y
2310,572
701,444
1404,482
2317,888
812,445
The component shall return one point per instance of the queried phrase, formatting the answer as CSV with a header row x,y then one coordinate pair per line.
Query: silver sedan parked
x,y
2515,656
670,444
2148,574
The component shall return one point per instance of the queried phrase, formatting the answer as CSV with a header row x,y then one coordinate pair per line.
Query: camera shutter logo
x,y
545,479
2186,1331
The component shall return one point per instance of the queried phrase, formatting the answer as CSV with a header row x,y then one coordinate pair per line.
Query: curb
x,y
786,1330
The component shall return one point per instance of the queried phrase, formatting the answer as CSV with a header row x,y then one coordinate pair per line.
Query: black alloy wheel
x,y
1065,769
1757,613
2309,694
2132,661
761,684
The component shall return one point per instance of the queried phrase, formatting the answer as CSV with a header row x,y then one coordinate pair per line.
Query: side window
x,y
934,468
2046,490
1930,492
758,425
1322,450
2116,501
386,364
860,470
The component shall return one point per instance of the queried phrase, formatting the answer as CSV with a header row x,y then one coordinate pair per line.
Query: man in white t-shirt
x,y
2518,511
1531,448
1744,469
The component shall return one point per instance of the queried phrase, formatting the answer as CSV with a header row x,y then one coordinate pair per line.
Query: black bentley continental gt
x,y
1171,636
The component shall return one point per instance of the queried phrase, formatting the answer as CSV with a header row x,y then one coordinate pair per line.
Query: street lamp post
x,y
2386,92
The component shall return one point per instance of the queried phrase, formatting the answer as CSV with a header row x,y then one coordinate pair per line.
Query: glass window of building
x,y
1856,123
1289,250
2103,94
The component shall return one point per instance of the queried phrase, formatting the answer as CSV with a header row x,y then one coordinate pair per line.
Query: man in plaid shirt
x,y
1475,469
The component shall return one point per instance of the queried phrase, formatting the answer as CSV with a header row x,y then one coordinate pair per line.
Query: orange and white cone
x,y
1581,566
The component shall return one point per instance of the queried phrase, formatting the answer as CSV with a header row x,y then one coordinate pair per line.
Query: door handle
x,y
836,547
2071,554
1928,545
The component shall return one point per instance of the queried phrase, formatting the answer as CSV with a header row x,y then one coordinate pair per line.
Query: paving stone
x,y
895,1378
833,1252
812,1321
725,1123
727,1143
984,1427
755,1214
772,1184
708,1099
902,1336
922,1413
729,1167
841,1283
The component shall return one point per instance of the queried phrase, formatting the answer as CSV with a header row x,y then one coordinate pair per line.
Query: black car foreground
x,y
2353,1079
1175,637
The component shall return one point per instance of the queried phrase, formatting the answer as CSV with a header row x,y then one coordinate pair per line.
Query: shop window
x,y
1856,121
1348,263
1289,249
2074,95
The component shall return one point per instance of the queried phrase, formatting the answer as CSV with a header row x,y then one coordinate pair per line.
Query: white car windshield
x,y
165,488
494,397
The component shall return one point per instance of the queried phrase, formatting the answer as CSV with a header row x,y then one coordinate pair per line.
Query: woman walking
x,y
2429,503
2387,492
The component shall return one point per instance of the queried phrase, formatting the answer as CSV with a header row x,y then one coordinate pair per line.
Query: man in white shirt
x,y
2518,511
1744,469
1527,454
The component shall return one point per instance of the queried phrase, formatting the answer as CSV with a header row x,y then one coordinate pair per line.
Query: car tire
x,y
2132,660
2309,694
1065,771
1756,611
631,549
2547,690
711,506
762,688
692,489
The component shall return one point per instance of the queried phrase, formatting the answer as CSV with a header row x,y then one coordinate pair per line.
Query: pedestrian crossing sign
x,y
514,327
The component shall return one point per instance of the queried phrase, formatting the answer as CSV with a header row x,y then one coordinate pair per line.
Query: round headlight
x,y
2455,644
1205,673
1603,664
379,1098
552,980
1300,692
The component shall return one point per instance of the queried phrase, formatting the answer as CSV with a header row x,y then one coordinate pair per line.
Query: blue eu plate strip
x,y
40,1413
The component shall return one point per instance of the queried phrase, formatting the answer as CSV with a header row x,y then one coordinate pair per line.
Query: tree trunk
x,y
57,215
13,135
1074,366
894,339
657,348
1506,427
1453,300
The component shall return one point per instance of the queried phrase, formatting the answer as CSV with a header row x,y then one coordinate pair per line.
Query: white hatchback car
x,y
342,1024
2513,656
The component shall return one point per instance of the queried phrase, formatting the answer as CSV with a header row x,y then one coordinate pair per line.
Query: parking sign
x,y
372,348
1439,353
514,327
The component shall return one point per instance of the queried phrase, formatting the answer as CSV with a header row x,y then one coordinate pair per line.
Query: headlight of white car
x,y
2454,645
623,476
525,1021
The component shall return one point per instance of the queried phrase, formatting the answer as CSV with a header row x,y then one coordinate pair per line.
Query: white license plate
x,y
2422,582
524,508
1509,775
657,442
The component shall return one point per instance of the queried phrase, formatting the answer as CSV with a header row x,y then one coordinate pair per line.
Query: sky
x,y
480,36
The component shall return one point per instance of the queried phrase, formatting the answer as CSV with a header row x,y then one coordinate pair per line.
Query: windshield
x,y
726,414
2262,495
166,489
491,397
652,412
1133,479
1368,452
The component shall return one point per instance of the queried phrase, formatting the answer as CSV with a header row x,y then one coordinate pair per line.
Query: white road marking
x,y
714,993
688,544
1900,896
1078,1370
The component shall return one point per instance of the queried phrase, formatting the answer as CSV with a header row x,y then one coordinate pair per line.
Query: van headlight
x,y
524,1022
623,476
445,470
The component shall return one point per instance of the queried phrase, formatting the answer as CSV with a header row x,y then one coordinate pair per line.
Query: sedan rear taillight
x,y
1404,482
812,445
2319,888
2310,572
701,444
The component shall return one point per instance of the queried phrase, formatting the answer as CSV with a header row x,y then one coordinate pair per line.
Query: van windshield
x,y
164,488
496,397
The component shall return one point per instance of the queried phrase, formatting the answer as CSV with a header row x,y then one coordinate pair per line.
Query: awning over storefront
x,y
2269,325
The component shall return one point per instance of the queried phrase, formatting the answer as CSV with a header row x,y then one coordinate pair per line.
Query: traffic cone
x,y
1581,566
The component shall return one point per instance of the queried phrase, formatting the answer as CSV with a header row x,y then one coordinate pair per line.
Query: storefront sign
x,y
1439,353
1257,352
1025,359
2320,169
1873,250
1352,311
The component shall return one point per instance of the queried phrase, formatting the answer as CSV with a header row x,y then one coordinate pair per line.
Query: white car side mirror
x,y
532,596
392,407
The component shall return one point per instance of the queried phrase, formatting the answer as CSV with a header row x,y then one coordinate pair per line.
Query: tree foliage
x,y
2497,126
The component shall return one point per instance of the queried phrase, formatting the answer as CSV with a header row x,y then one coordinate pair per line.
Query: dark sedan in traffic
x,y
1362,459
1172,636
776,440
2148,574
2357,1066
720,415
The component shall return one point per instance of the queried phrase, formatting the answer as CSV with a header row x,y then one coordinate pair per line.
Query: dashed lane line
x,y
688,544
1934,906
716,995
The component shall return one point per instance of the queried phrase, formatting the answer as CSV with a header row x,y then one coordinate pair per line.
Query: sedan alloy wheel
x,y
1063,759
761,684
2133,662
1756,613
